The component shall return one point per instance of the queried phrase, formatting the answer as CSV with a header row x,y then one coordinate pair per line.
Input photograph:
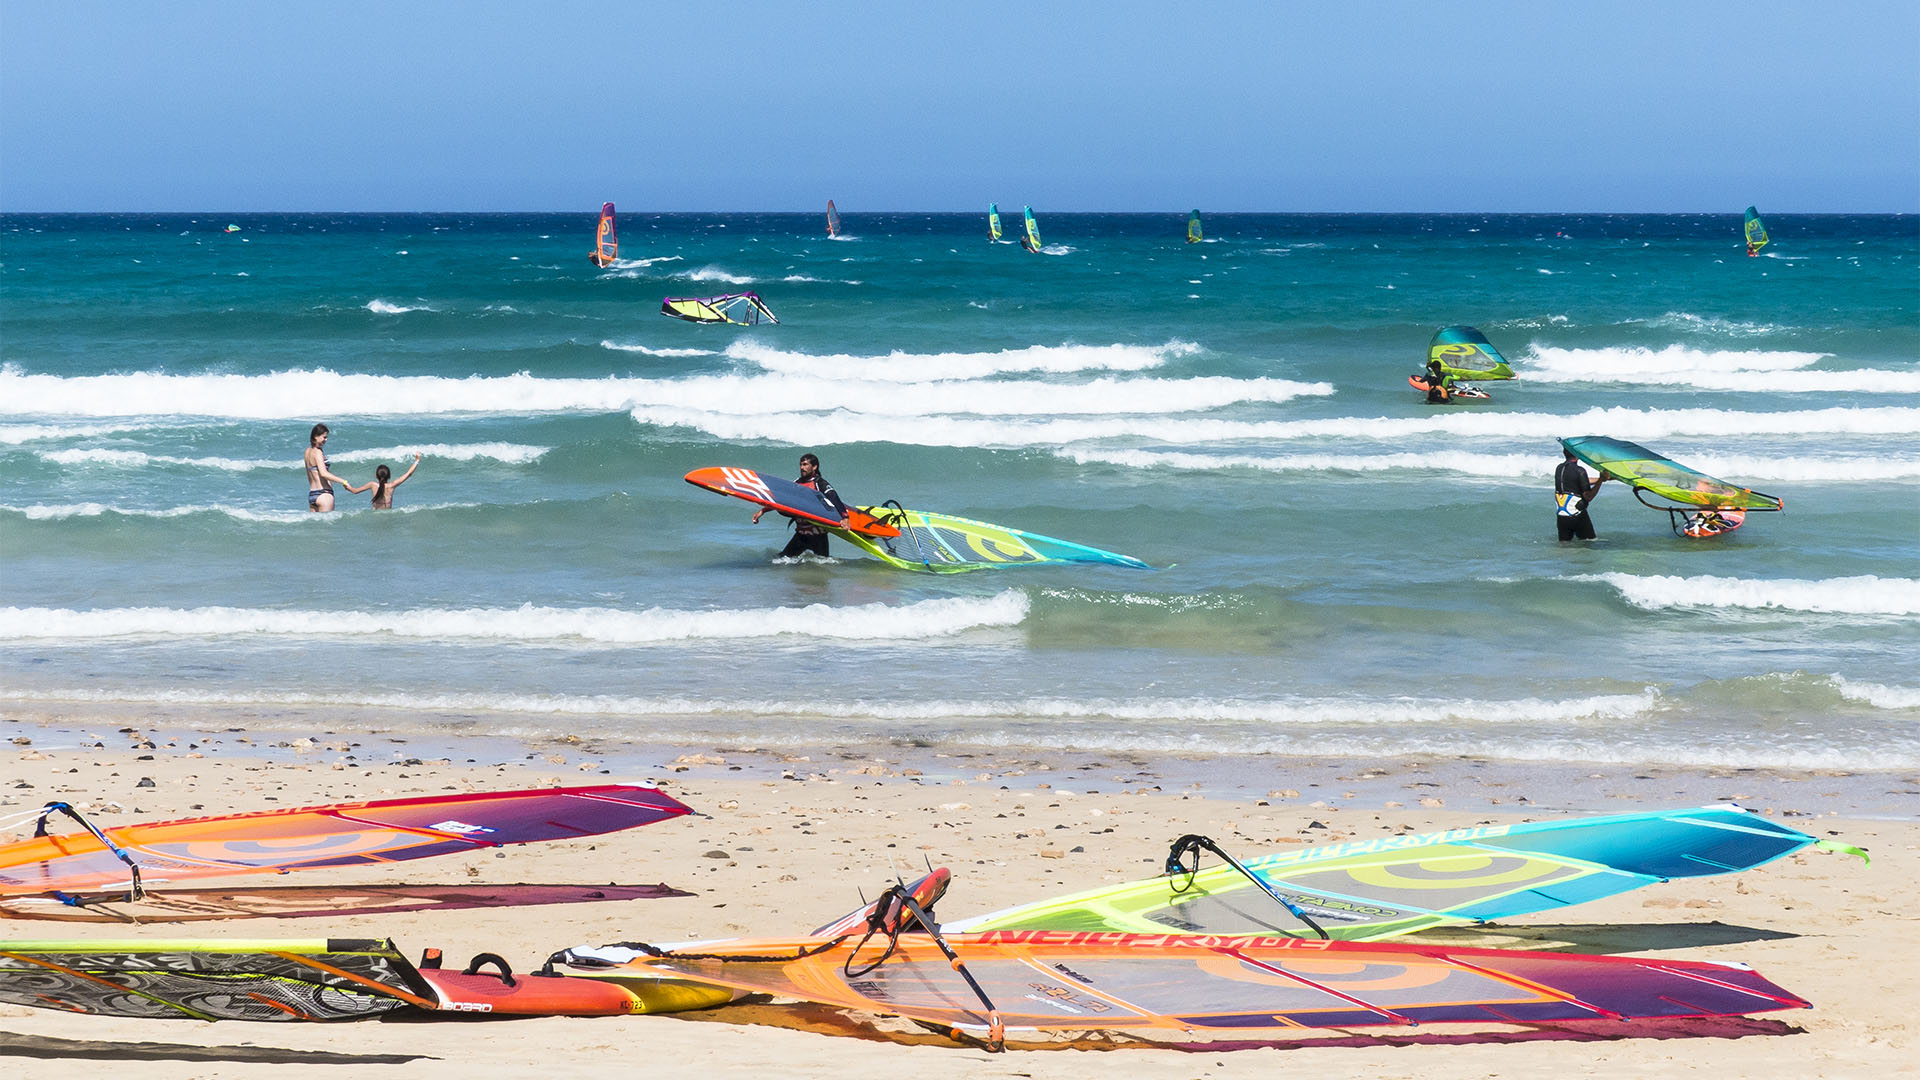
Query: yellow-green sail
x,y
1465,353
1193,227
946,544
1756,232
993,221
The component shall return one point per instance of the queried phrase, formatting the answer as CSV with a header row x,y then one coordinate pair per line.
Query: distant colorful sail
x,y
833,219
346,834
1465,353
1756,232
1031,241
993,221
606,246
1370,889
1193,227
740,309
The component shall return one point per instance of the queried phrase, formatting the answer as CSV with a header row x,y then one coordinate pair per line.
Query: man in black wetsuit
x,y
808,536
1571,479
1439,384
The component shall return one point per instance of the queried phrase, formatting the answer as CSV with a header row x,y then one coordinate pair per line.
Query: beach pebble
x,y
146,781
1432,803
1052,853
22,740
716,853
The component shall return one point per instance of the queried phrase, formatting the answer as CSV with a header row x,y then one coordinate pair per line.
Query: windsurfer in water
x,y
808,536
1571,480
1439,383
320,479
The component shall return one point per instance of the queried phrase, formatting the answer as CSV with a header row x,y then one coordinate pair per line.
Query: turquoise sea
x,y
1342,568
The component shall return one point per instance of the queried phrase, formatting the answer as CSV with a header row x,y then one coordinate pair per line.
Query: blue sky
x,y
1116,105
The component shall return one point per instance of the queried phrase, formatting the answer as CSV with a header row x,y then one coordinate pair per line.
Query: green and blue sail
x,y
1368,889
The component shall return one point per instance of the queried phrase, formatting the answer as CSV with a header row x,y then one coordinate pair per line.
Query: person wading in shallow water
x,y
1570,480
808,536
320,479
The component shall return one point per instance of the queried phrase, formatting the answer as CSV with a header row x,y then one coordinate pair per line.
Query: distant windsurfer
x,y
1573,494
808,536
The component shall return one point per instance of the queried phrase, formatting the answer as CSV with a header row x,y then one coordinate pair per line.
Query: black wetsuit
x,y
1437,389
808,536
1571,479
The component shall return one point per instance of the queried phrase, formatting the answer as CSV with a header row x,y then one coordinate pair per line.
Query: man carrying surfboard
x,y
808,536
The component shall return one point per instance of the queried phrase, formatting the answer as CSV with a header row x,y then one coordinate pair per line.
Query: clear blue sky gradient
x,y
900,105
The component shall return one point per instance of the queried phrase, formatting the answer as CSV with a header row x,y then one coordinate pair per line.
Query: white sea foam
x,y
927,367
714,273
1878,695
1711,324
1677,365
508,453
1504,466
1176,714
15,434
531,625
65,511
382,307
1636,362
1864,595
651,351
845,426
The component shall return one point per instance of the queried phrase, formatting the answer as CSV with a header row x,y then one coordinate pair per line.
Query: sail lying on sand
x,y
128,858
1369,889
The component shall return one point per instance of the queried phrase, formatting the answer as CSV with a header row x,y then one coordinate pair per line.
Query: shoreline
x,y
345,740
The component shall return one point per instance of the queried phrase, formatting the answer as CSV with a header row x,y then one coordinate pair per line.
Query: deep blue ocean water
x,y
1342,567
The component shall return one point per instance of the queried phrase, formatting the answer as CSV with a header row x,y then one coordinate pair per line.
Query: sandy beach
x,y
784,841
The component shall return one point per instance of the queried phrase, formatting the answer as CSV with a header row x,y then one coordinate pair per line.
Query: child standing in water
x,y
382,490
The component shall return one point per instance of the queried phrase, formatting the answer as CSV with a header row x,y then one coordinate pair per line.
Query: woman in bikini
x,y
320,479
382,490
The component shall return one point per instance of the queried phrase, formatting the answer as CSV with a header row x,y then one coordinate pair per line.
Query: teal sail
x,y
1377,888
1031,239
1465,353
993,221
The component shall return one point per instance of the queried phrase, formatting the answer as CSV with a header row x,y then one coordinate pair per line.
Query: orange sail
x,y
348,834
606,246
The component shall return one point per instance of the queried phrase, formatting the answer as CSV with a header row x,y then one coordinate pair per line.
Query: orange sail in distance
x,y
606,246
